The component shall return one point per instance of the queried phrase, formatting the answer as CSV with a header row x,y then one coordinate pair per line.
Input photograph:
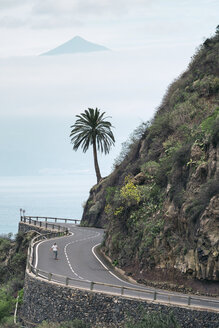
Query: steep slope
x,y
160,206
75,45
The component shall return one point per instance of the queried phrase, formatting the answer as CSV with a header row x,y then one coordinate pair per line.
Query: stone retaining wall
x,y
25,227
49,301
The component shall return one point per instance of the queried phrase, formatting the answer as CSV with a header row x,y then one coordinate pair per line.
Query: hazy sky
x,y
151,42
29,27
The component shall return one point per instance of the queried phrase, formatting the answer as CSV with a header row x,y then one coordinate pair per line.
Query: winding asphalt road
x,y
78,261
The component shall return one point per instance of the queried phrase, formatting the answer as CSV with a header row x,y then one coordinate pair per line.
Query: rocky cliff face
x,y
160,206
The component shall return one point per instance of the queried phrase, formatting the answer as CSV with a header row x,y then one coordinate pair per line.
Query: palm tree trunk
x,y
96,165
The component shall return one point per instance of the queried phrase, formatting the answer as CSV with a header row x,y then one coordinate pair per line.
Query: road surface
x,y
78,261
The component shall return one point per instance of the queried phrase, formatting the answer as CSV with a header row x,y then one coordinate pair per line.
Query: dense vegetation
x,y
13,254
154,203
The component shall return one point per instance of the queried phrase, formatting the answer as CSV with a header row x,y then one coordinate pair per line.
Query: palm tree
x,y
91,128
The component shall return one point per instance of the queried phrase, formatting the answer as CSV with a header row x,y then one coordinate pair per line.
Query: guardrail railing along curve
x,y
150,295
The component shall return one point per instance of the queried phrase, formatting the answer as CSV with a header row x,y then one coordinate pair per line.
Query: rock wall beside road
x,y
25,227
52,302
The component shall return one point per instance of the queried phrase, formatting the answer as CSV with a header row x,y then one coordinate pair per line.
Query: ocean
x,y
55,196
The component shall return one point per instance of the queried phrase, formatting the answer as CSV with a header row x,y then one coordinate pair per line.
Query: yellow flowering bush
x,y
108,209
118,210
130,193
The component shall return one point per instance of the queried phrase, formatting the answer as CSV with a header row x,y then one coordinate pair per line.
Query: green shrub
x,y
198,205
152,228
5,308
116,237
15,284
150,169
157,171
160,126
154,320
210,126
161,177
215,133
110,193
6,304
207,124
19,260
5,246
207,86
130,145
181,156
176,193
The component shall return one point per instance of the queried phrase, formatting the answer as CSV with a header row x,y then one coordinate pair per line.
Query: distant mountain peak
x,y
75,45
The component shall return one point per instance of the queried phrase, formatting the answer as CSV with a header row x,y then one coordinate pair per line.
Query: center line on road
x,y
67,258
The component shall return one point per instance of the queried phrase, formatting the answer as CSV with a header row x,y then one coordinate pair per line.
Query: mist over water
x,y
55,196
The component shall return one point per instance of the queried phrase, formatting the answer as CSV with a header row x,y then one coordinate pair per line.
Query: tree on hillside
x,y
92,128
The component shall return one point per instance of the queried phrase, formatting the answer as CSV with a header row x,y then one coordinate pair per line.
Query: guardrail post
x,y
49,276
46,225
122,290
40,224
55,219
91,285
189,300
155,295
30,221
24,215
67,281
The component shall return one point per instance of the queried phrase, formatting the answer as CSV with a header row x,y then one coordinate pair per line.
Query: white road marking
x,y
43,241
113,274
66,254
37,246
90,237
70,265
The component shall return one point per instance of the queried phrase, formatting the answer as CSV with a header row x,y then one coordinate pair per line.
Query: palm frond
x,y
92,126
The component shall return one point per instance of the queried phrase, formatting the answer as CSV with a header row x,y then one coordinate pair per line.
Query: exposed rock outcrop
x,y
160,206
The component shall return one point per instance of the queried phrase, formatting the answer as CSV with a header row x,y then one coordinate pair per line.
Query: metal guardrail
x,y
46,225
27,218
46,218
142,294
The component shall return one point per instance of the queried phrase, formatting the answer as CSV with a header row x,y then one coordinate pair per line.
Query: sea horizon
x,y
54,196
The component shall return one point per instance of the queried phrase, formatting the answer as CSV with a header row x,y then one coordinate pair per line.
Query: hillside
x,y
160,205
13,254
